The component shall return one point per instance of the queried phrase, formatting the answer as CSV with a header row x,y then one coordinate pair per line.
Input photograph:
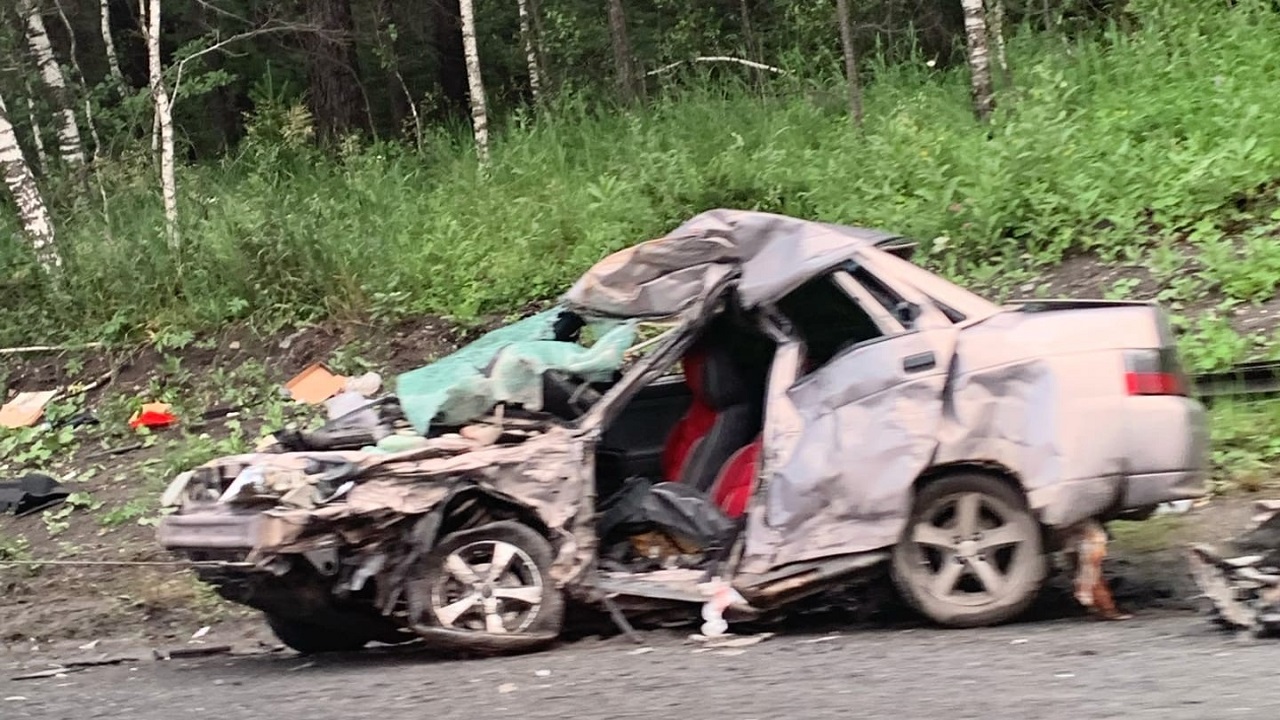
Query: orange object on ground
x,y
25,409
315,384
153,415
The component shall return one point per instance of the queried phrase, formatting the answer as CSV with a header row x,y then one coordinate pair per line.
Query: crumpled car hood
x,y
303,491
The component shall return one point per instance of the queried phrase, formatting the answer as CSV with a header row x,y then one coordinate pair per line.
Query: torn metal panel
x,y
867,429
543,473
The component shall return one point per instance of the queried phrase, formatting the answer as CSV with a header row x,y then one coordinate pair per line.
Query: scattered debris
x,y
824,638
543,673
1244,590
615,613
730,641
315,384
303,666
99,660
25,409
367,384
31,493
48,348
201,632
188,652
59,671
15,698
1176,507
722,596
108,452
90,645
153,415
640,651
505,688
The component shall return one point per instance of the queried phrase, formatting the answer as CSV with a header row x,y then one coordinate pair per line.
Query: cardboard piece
x,y
315,384
25,409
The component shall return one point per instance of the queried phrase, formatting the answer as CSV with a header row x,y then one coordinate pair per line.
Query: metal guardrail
x,y
1247,380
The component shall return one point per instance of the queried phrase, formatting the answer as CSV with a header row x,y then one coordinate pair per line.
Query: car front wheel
x,y
488,589
972,553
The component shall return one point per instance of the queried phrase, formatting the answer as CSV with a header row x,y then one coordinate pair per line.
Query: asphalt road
x,y
1169,666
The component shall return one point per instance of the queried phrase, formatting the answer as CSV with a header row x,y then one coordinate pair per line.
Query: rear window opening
x,y
827,320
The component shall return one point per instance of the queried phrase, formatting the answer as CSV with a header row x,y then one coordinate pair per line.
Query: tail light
x,y
1154,372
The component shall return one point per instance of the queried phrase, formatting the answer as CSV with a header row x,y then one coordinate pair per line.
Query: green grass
x,y
1123,143
1245,445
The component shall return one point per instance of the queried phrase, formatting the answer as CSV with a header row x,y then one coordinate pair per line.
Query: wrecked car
x,y
742,414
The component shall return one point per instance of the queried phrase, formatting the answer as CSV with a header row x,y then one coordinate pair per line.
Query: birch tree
x,y
164,122
975,30
530,51
850,63
995,13
113,60
37,132
21,183
475,82
623,60
70,147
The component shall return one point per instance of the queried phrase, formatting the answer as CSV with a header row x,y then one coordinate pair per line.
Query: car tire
x,y
972,553
470,605
312,639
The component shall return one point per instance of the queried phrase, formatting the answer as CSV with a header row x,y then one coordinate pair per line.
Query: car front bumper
x,y
210,531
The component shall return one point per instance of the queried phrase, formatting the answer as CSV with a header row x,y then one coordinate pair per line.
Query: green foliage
x,y
1246,444
58,520
1123,142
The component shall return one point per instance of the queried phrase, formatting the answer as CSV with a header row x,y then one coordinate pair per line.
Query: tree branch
x,y
717,58
246,35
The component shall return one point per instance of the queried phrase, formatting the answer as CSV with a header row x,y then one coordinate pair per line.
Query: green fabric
x,y
456,388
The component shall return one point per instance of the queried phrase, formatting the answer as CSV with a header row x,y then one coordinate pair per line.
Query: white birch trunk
x,y
26,195
70,146
975,29
164,119
475,82
113,60
995,14
37,132
530,52
79,78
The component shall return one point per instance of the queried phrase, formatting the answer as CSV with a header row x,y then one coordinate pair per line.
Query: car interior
x,y
696,432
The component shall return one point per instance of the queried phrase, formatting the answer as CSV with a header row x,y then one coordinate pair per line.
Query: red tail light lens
x,y
1154,372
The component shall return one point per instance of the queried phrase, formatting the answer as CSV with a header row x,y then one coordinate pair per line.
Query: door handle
x,y
919,362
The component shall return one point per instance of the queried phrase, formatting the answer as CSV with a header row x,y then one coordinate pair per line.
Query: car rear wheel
x,y
488,589
972,553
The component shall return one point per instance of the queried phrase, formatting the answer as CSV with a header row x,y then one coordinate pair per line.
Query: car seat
x,y
695,422
725,417
732,487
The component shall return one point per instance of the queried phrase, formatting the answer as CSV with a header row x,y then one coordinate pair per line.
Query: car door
x,y
867,419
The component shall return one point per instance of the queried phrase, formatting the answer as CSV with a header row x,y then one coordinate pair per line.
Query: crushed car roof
x,y
770,254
